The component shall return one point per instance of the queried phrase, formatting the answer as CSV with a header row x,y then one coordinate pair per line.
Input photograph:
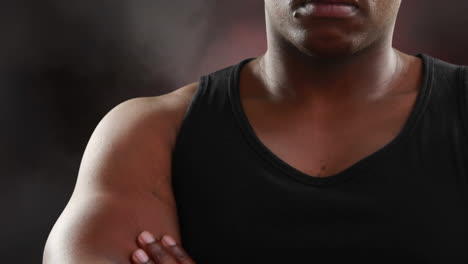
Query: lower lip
x,y
326,10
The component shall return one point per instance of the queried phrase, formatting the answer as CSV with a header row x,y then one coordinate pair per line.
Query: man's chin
x,y
328,50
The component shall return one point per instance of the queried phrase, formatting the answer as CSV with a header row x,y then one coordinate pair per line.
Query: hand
x,y
154,251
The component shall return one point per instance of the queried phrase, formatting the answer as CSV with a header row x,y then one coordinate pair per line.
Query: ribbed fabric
x,y
237,202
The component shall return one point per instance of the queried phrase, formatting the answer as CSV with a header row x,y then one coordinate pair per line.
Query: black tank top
x,y
238,202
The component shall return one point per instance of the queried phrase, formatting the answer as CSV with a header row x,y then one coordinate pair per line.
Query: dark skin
x,y
329,92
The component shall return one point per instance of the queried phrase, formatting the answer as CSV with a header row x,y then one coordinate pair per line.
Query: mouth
x,y
354,3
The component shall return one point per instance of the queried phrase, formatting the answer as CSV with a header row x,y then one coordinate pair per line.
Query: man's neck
x,y
296,77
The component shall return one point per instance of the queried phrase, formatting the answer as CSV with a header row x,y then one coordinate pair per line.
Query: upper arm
x,y
123,186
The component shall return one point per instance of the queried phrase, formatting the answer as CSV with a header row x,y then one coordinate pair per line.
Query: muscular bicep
x,y
123,188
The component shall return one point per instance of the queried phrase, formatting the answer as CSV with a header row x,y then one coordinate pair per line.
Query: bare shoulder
x,y
176,103
169,108
143,127
160,116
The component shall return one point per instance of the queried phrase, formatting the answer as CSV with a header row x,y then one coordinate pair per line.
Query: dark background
x,y
65,64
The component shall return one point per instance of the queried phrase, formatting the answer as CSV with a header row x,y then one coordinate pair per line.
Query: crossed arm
x,y
123,188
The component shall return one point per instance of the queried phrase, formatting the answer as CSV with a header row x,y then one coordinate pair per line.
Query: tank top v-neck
x,y
407,202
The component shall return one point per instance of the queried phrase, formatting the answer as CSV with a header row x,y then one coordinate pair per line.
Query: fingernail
x,y
169,241
147,237
141,255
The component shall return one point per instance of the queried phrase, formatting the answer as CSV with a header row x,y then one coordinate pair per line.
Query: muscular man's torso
x,y
321,143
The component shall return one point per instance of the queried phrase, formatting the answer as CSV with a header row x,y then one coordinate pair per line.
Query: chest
x,y
322,144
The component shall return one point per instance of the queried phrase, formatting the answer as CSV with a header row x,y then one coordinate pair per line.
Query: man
x,y
332,146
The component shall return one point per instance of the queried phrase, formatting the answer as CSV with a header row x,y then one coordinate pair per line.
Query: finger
x,y
139,256
155,250
176,250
